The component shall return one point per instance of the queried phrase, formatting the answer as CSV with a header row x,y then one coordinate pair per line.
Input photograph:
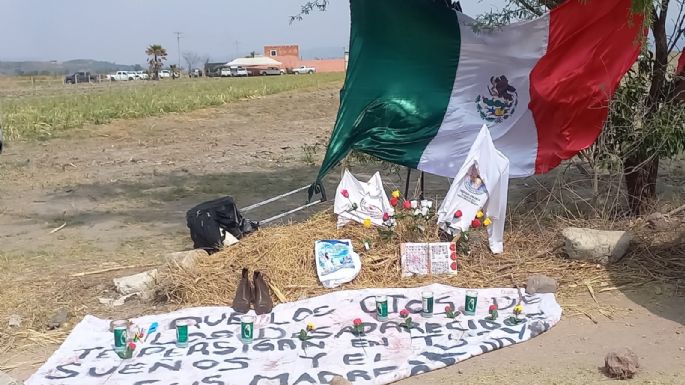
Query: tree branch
x,y
678,28
530,8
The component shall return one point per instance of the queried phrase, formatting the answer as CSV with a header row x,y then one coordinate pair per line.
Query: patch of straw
x,y
286,255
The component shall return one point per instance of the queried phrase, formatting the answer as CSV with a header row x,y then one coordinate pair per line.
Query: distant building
x,y
290,56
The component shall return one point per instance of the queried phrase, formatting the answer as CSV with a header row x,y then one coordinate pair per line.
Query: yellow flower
x,y
310,326
487,222
518,309
367,223
479,214
396,194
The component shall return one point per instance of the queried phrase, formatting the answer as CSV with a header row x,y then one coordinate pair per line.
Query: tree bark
x,y
640,174
641,169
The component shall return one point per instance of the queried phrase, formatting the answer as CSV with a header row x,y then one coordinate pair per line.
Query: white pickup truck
x,y
122,75
303,70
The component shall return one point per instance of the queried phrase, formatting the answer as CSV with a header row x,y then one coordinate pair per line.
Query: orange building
x,y
289,55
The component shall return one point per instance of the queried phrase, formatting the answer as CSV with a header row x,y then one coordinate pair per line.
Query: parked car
x,y
195,73
303,70
225,72
122,75
239,71
271,71
142,75
80,77
164,74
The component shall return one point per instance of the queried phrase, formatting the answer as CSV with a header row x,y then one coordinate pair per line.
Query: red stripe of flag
x,y
591,46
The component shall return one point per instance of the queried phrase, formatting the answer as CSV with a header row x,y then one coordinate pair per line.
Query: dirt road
x,y
121,190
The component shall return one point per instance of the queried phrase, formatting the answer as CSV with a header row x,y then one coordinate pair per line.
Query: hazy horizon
x,y
82,29
220,29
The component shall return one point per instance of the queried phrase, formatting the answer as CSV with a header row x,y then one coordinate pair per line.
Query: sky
x,y
119,31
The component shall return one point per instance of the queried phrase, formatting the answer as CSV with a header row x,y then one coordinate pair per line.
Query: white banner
x,y
385,353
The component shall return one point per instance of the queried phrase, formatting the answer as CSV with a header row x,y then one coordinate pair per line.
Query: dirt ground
x,y
118,194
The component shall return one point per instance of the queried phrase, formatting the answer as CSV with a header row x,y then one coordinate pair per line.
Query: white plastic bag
x,y
357,201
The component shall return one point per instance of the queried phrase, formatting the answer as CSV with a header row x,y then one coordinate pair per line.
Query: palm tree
x,y
157,54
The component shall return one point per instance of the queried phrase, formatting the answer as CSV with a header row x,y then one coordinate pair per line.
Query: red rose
x,y
448,309
453,266
357,322
132,346
453,256
453,246
404,313
394,201
386,216
457,214
406,205
492,307
475,223
345,193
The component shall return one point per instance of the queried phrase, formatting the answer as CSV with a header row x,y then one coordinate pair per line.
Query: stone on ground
x,y
185,259
58,319
622,365
596,246
539,283
14,321
142,283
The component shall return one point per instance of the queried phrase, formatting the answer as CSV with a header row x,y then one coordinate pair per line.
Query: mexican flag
x,y
422,80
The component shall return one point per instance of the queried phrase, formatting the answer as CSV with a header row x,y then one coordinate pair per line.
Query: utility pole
x,y
178,45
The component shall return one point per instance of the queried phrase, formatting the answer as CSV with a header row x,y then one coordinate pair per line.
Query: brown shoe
x,y
243,294
262,295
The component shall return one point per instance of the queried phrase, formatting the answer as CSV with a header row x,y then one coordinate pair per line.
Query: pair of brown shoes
x,y
259,294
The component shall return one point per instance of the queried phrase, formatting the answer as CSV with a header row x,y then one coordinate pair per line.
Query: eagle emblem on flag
x,y
501,103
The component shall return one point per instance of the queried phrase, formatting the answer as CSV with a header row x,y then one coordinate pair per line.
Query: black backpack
x,y
208,223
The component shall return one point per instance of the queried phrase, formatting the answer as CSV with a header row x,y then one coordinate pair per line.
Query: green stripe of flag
x,y
402,65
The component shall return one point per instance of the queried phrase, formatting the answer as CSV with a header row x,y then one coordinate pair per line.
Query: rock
x,y
337,380
142,283
14,321
622,365
538,327
539,283
595,246
116,302
185,259
657,221
58,319
5,379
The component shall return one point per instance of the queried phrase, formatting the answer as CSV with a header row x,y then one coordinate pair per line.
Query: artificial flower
x,y
345,193
492,307
386,217
396,194
414,204
518,309
453,256
310,326
367,223
449,312
448,309
357,321
457,214
132,346
404,313
426,203
394,201
479,214
475,223
487,222
406,205
453,266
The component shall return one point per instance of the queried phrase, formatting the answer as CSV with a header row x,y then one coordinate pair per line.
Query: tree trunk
x,y
640,174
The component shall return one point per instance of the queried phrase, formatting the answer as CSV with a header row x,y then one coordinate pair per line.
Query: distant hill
x,y
62,68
